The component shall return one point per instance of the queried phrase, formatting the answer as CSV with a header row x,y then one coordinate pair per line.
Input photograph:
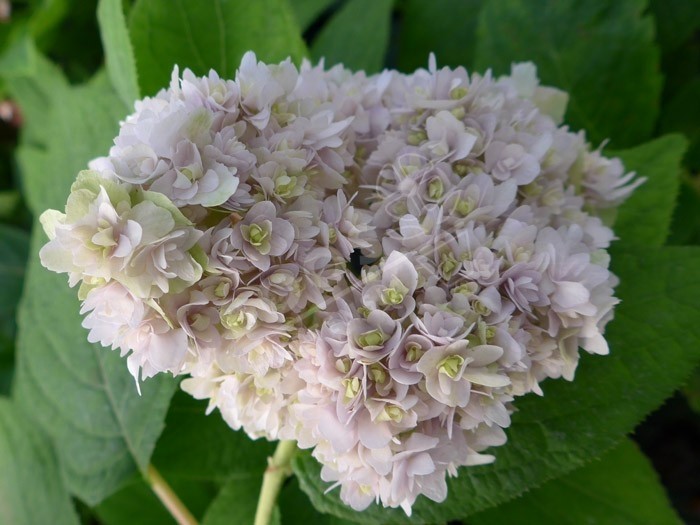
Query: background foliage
x,y
76,438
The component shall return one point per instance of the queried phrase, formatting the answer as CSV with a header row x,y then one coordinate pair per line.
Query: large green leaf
x,y
444,27
209,35
119,54
81,394
655,344
603,53
645,218
357,35
14,245
619,489
31,489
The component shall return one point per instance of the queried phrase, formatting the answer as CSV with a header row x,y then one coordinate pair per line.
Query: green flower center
x,y
464,207
372,338
234,320
451,365
413,352
458,92
200,322
481,309
352,388
392,296
377,373
391,413
416,137
222,289
332,235
342,365
435,189
257,235
460,169
466,289
285,185
448,264
191,172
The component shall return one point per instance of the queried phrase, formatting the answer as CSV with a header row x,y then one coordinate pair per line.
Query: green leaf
x,y
19,59
136,504
357,45
14,245
645,218
119,54
682,114
655,344
308,11
31,489
685,228
66,126
676,21
692,391
46,16
81,394
619,489
209,35
9,202
602,53
236,503
214,452
444,27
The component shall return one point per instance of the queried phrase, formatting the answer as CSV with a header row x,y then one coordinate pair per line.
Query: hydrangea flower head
x,y
220,240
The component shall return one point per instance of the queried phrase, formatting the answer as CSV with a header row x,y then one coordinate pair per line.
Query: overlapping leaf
x,y
645,218
14,246
603,53
119,54
209,35
31,488
619,489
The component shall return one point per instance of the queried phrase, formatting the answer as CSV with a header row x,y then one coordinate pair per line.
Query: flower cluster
x,y
374,267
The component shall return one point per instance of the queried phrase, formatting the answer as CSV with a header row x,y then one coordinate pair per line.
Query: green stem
x,y
168,497
278,469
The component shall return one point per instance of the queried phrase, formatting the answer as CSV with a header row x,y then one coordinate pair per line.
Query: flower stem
x,y
278,469
168,497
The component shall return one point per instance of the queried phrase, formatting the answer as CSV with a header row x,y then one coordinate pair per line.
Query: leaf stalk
x,y
278,469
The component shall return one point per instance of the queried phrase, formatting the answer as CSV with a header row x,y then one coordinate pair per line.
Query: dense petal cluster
x,y
374,267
